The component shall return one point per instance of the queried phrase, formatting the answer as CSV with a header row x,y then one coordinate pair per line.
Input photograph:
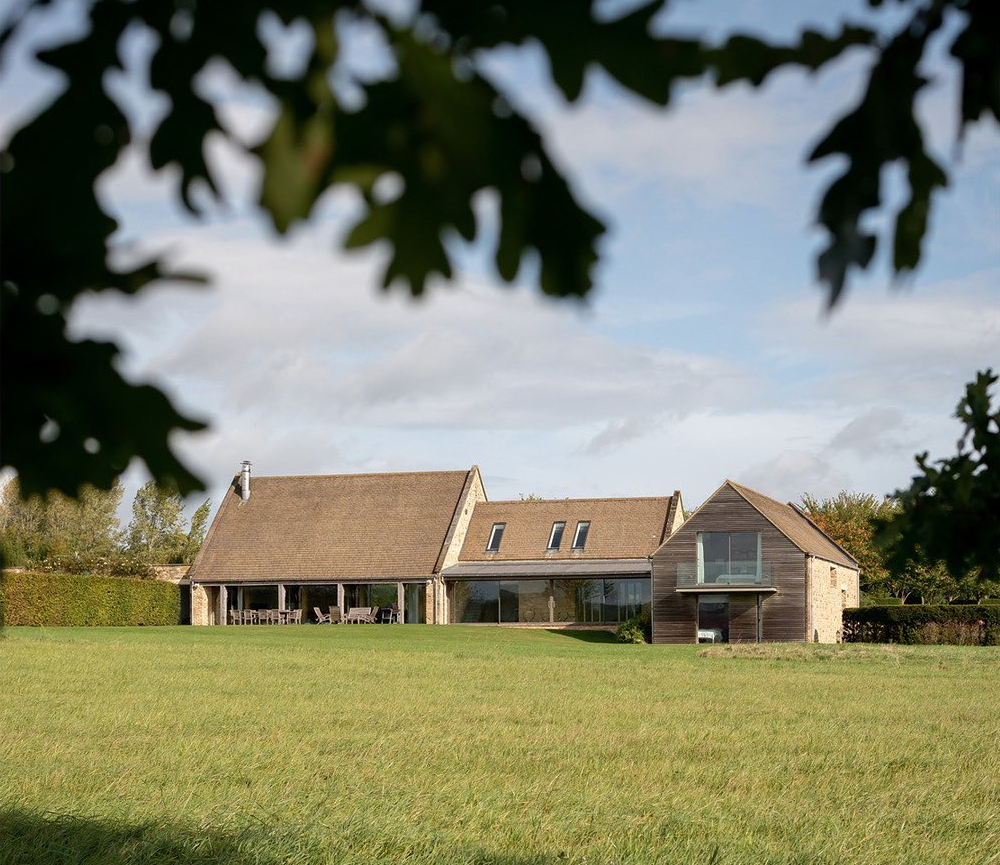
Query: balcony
x,y
747,578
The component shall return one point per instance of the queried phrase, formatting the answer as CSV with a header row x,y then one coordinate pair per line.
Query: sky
x,y
705,352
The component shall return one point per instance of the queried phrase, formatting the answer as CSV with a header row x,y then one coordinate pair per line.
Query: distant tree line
x,y
84,535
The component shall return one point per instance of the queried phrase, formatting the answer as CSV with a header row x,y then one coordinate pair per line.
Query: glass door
x,y
713,618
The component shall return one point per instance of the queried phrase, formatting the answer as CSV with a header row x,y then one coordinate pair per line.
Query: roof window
x,y
555,537
496,535
580,538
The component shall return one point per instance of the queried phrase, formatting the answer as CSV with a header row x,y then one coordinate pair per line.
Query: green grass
x,y
360,744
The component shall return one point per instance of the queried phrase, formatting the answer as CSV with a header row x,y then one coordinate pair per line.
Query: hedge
x,y
33,598
924,623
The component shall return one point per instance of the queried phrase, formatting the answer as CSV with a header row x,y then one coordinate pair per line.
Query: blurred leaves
x,y
436,132
951,509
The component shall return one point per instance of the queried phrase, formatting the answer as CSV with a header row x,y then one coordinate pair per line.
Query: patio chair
x,y
394,614
234,617
336,616
321,617
294,617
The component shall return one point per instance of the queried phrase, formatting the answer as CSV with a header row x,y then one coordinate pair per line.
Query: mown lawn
x,y
364,744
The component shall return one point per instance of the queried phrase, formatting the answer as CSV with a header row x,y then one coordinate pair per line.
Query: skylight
x,y
555,538
580,538
496,535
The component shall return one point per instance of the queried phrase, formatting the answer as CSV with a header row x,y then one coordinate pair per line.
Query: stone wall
x,y
170,573
202,612
438,606
831,588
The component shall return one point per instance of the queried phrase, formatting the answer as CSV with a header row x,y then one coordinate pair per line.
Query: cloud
x,y
791,473
870,434
616,434
471,356
912,348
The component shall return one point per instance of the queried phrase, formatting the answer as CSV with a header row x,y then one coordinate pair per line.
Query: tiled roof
x,y
619,528
331,526
797,527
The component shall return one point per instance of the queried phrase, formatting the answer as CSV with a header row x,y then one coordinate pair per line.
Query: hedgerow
x,y
924,624
50,599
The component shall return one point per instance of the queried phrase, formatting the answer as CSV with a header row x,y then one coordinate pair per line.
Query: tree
x,y
196,532
36,530
950,509
852,520
848,518
157,528
157,532
438,122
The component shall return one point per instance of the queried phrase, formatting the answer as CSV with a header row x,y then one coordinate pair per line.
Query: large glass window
x,y
624,599
729,557
713,618
524,601
600,600
476,601
312,597
369,594
415,603
261,597
564,594
527,601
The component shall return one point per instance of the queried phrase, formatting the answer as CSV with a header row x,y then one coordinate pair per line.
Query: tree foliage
x,y
36,529
84,536
848,518
852,520
438,122
157,531
951,508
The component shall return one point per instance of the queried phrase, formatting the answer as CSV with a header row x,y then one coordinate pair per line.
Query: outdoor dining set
x,y
265,617
336,616
359,615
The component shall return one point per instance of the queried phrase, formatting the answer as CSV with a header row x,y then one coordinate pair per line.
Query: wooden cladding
x,y
783,612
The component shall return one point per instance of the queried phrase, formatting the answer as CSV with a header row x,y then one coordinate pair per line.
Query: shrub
x,y
630,632
117,564
880,601
46,599
638,629
930,623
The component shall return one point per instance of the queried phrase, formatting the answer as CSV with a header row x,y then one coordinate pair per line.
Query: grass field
x,y
501,747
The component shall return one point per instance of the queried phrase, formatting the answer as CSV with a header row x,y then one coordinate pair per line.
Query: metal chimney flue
x,y
245,481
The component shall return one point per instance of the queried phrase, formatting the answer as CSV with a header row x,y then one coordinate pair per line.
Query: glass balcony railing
x,y
738,575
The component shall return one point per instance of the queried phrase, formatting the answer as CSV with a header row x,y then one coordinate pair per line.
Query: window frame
x,y
493,531
700,563
581,524
562,531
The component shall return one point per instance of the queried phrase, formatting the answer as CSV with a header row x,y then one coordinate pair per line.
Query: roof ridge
x,y
362,474
597,499
822,531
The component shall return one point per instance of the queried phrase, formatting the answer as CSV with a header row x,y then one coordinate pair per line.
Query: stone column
x,y
340,598
281,596
222,616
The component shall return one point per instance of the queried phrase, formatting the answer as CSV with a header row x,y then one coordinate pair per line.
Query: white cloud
x,y
616,434
791,473
872,433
